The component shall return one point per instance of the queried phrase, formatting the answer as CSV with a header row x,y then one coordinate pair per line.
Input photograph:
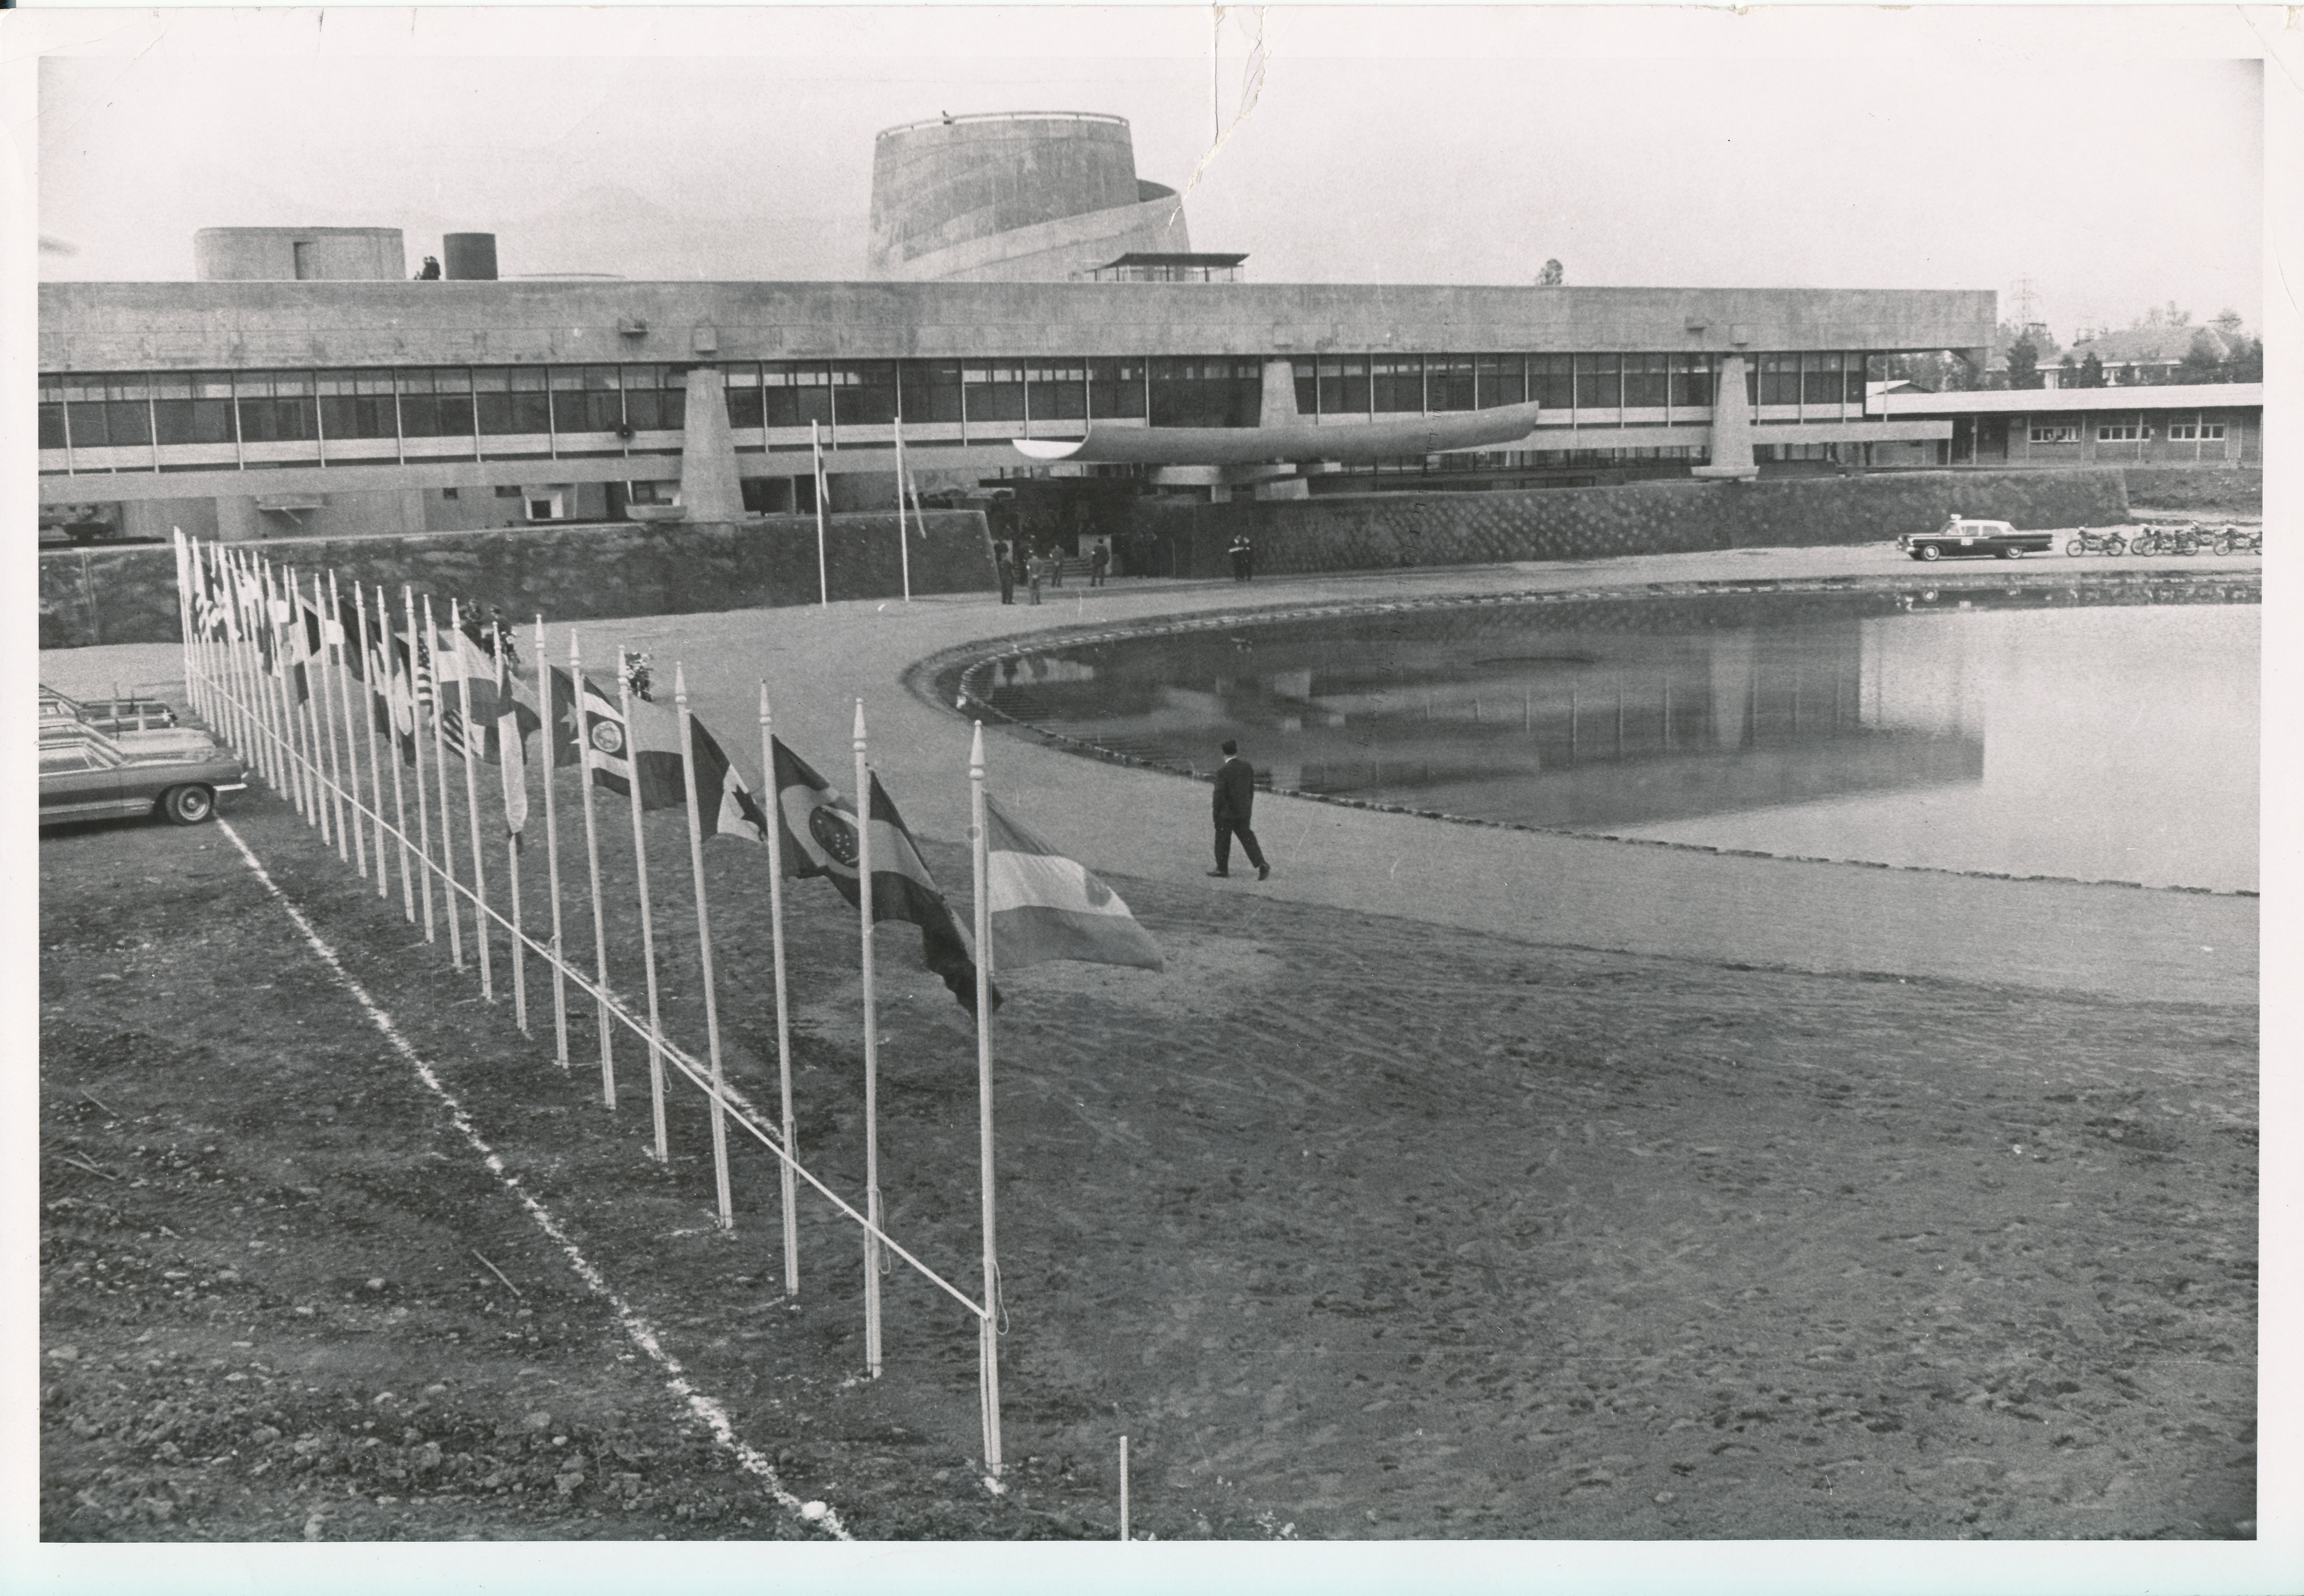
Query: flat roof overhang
x,y
2039,401
1358,444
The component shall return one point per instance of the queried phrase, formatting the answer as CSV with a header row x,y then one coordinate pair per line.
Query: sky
x,y
2112,171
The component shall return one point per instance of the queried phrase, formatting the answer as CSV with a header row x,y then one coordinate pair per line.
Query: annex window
x,y
435,402
2064,434
931,391
1691,381
1057,392
1599,383
2118,432
1645,382
1398,383
2191,432
1503,380
864,393
995,391
1344,386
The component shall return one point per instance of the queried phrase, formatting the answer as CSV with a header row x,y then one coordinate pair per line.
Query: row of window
x,y
2129,432
456,401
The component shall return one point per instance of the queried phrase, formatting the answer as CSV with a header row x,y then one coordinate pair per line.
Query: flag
x,y
564,717
1045,906
726,807
651,741
819,839
511,752
350,637
469,709
404,698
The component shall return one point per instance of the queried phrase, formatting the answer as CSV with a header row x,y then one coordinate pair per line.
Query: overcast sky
x,y
1967,149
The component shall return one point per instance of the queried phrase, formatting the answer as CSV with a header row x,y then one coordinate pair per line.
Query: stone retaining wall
x,y
568,573
1372,531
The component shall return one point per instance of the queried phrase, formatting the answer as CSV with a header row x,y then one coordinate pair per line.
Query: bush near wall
x,y
1374,531
566,573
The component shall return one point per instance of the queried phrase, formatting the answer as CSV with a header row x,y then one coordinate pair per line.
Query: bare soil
x,y
1358,1227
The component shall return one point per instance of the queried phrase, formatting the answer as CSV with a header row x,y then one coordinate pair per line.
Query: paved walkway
x,y
2113,942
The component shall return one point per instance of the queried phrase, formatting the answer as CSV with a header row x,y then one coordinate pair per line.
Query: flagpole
x,y
871,1057
257,716
298,712
431,644
816,453
648,919
592,861
195,658
324,713
512,837
903,545
184,622
784,1019
383,668
552,851
416,749
703,943
988,1330
340,670
472,796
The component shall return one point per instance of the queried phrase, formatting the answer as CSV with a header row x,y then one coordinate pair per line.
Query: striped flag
x,y
819,839
1045,906
649,745
511,739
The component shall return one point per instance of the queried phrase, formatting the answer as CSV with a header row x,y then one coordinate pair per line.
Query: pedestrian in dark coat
x,y
1096,564
1007,578
1234,802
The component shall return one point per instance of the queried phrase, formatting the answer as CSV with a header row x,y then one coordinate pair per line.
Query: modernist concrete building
x,y
1028,197
248,408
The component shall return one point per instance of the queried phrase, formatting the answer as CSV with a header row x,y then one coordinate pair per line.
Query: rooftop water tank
x,y
469,257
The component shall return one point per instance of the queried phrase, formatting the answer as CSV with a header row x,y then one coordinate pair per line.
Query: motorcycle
x,y
2096,543
2238,540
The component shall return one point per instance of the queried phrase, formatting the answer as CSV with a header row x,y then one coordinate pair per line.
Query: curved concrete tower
x,y
1018,197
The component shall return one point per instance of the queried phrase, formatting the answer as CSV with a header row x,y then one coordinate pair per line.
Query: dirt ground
x,y
1358,1227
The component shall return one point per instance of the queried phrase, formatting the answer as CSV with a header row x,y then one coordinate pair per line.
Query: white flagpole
x,y
440,769
512,838
774,806
255,715
988,1330
184,622
341,673
471,751
551,847
648,919
416,746
298,714
380,685
704,944
592,860
195,660
816,453
903,545
324,713
871,1057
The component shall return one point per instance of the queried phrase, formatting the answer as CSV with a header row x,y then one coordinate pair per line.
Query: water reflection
x,y
1845,725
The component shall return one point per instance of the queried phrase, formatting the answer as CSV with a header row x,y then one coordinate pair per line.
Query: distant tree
x,y
1551,276
2024,364
2070,370
2091,372
2203,359
2246,363
2227,322
2176,316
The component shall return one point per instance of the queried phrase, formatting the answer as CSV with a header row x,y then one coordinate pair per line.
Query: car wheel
x,y
2010,552
188,805
1928,551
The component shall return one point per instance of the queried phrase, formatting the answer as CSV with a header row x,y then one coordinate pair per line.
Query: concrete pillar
x,y
1732,426
709,488
1279,408
237,518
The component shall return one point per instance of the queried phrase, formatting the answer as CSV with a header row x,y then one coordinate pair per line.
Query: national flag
x,y
468,707
511,752
564,717
1045,906
352,638
403,699
650,740
820,839
726,807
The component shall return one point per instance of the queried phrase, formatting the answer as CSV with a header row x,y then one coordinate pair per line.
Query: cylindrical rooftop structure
x,y
298,254
469,257
1017,195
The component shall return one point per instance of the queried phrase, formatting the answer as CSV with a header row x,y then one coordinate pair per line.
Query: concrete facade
x,y
2206,424
298,254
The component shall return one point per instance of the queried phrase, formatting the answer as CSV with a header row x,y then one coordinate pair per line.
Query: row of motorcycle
x,y
2170,540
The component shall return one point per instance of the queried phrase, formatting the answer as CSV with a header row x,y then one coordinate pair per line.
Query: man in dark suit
x,y
1235,799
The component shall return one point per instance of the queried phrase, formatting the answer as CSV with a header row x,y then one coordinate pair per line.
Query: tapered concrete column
x,y
1732,426
1279,408
709,490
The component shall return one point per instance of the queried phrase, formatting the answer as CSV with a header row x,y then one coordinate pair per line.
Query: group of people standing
x,y
1043,569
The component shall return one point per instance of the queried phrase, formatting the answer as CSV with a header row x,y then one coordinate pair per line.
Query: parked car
x,y
98,777
112,715
1966,537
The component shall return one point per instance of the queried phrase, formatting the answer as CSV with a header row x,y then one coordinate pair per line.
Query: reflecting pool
x,y
2100,734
